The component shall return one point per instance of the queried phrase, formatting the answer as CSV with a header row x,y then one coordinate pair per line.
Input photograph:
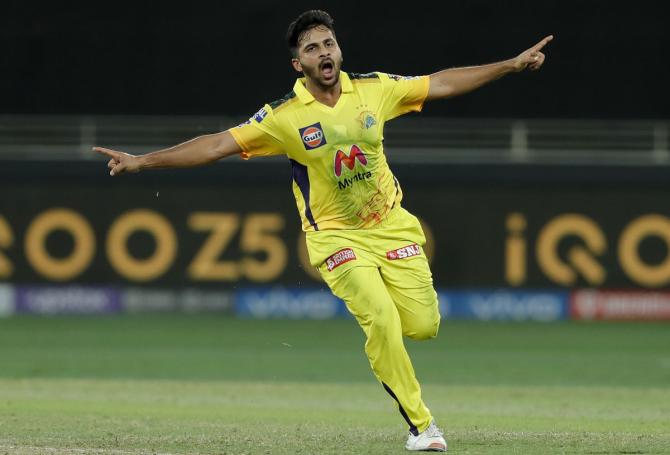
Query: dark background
x,y
465,207
608,59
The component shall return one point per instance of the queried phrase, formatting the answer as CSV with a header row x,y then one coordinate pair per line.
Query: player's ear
x,y
296,65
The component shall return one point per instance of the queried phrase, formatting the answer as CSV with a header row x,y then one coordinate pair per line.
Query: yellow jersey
x,y
341,179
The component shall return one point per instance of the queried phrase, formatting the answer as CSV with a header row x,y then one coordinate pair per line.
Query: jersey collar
x,y
306,97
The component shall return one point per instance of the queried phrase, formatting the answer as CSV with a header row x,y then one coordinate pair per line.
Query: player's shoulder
x,y
365,78
267,114
378,77
381,76
283,102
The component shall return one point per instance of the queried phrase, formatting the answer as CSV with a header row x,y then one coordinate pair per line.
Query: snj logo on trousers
x,y
404,252
339,258
349,160
312,136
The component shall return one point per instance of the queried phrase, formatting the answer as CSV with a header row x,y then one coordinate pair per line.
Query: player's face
x,y
319,57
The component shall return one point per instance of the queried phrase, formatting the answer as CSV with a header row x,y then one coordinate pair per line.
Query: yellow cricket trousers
x,y
382,275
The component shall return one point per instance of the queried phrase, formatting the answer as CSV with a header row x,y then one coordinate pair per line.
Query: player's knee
x,y
425,331
424,328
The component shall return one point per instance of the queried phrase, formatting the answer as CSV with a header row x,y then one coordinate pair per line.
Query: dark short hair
x,y
307,21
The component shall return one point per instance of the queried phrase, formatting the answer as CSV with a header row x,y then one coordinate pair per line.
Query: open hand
x,y
119,162
532,58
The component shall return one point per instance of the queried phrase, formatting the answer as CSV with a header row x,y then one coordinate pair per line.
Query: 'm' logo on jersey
x,y
312,136
404,252
349,160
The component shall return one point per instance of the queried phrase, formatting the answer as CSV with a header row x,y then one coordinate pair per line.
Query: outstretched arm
x,y
196,152
457,81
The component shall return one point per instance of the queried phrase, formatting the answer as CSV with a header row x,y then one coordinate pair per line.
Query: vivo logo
x,y
281,303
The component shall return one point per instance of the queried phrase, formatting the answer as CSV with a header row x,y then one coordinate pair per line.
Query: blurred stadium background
x,y
544,197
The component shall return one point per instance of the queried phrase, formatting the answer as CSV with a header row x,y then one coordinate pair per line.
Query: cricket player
x,y
367,247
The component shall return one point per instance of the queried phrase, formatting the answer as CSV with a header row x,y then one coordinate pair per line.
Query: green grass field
x,y
215,385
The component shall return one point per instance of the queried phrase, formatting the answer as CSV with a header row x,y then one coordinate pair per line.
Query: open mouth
x,y
328,69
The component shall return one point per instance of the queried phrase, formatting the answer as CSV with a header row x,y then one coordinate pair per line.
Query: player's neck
x,y
324,95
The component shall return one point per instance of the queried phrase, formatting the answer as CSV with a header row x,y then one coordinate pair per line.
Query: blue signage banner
x,y
473,304
288,303
51,300
504,305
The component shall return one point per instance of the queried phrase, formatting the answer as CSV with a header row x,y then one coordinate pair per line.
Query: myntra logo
x,y
349,160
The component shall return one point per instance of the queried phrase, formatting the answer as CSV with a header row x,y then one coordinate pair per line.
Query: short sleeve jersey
x,y
341,179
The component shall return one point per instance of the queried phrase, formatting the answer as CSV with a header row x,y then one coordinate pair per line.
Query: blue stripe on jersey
x,y
301,179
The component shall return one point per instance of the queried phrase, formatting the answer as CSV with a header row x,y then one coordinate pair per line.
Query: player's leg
x,y
365,294
406,273
408,280
410,284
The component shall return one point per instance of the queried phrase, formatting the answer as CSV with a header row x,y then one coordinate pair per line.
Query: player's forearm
x,y
196,152
457,81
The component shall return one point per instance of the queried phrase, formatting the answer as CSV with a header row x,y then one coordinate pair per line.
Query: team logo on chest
x,y
367,120
312,136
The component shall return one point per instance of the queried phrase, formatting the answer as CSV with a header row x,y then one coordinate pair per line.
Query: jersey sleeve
x,y
260,135
403,94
